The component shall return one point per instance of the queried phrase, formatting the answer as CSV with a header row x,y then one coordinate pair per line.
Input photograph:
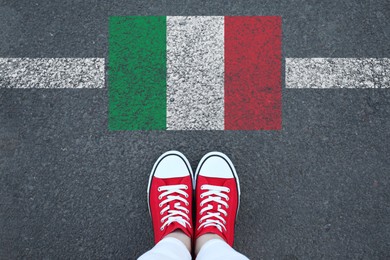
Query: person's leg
x,y
170,206
169,248
217,195
216,248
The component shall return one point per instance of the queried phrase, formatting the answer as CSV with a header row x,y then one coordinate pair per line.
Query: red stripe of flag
x,y
253,92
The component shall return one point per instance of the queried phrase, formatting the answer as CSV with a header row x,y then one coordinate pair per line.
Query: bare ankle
x,y
203,239
180,235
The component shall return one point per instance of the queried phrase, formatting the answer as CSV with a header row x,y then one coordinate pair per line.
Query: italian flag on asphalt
x,y
195,73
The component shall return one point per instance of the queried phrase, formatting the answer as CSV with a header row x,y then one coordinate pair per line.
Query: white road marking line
x,y
52,73
337,73
318,73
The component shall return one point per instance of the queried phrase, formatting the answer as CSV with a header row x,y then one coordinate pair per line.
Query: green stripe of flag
x,y
137,73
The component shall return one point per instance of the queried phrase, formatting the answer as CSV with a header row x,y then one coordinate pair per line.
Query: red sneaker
x,y
170,195
217,196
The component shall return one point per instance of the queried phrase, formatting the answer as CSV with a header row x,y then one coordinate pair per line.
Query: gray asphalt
x,y
318,189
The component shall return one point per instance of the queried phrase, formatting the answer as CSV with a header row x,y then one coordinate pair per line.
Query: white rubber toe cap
x,y
216,165
172,165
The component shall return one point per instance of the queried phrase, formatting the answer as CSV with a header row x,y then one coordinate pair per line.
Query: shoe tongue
x,y
181,222
215,225
219,227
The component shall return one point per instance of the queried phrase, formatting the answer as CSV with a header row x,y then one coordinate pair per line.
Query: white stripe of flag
x,y
195,72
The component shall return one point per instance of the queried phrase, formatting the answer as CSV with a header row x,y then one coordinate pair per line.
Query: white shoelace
x,y
179,213
214,217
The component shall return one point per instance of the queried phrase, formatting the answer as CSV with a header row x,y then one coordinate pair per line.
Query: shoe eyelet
x,y
159,189
186,195
161,228
227,206
200,221
201,204
187,211
201,196
201,187
187,203
162,221
161,213
228,190
159,197
160,205
227,199
186,187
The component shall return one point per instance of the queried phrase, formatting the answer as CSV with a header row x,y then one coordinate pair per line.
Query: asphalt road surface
x,y
317,189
